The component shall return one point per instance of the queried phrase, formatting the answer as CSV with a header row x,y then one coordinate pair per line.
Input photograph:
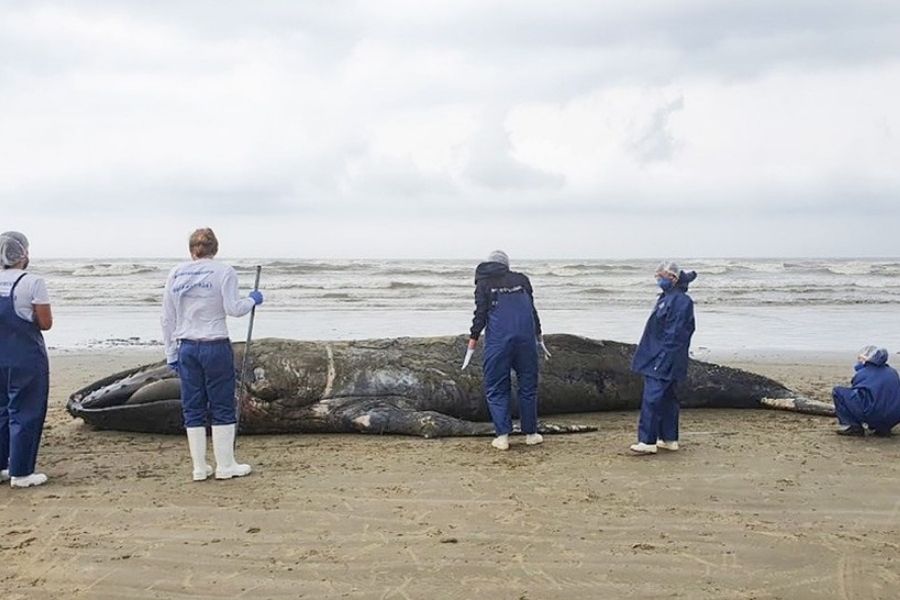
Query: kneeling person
x,y
873,398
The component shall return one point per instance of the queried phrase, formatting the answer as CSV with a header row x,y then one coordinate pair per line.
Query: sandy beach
x,y
758,504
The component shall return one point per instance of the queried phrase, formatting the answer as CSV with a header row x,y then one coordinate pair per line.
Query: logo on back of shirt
x,y
511,290
195,274
186,287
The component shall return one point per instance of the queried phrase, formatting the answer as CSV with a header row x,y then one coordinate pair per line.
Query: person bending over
x,y
504,306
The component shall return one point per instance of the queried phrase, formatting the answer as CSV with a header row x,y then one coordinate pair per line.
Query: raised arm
x,y
235,306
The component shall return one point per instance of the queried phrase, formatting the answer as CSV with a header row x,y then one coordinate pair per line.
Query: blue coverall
x,y
873,399
24,388
662,358
504,304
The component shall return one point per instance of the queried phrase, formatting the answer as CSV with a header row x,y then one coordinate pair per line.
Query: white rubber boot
x,y
642,448
670,446
223,448
4,475
501,442
533,439
197,445
28,480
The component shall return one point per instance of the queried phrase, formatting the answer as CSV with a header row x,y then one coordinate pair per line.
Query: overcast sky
x,y
445,129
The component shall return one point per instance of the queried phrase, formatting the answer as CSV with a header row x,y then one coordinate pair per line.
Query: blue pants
x,y
659,411
23,407
206,370
519,355
852,410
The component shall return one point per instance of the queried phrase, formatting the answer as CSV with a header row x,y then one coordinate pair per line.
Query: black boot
x,y
852,430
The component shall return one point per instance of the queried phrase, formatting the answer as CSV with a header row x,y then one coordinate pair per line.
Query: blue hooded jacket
x,y
878,387
663,350
504,303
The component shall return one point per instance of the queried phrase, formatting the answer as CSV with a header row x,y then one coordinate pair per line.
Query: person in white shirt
x,y
198,296
24,368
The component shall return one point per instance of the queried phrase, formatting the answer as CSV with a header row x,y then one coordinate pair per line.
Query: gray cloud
x,y
656,142
448,110
490,161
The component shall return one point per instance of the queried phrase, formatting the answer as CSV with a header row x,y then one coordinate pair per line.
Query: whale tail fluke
x,y
800,404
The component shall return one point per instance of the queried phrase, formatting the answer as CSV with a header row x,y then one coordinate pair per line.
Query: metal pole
x,y
240,389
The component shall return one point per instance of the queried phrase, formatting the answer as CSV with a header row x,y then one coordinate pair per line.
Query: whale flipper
x,y
424,423
385,418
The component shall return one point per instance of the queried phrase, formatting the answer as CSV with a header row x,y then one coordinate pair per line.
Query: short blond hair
x,y
203,243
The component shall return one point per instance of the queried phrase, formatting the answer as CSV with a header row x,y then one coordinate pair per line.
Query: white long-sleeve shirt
x,y
198,296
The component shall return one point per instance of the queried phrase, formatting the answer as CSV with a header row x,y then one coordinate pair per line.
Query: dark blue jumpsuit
x,y
24,387
504,305
662,358
873,399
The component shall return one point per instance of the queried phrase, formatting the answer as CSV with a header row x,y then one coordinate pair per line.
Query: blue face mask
x,y
664,284
858,366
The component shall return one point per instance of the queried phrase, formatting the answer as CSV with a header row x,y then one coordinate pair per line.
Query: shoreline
x,y
739,330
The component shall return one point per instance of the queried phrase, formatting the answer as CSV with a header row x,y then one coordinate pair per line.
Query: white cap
x,y
498,256
670,267
13,248
873,354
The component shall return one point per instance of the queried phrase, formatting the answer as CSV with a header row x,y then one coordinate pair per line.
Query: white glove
x,y
468,358
543,347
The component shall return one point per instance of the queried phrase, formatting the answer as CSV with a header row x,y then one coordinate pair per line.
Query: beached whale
x,y
411,386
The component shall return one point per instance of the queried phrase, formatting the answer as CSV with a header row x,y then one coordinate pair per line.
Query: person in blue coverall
x,y
24,369
873,398
662,358
504,305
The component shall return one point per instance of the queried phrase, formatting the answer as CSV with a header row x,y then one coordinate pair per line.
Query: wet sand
x,y
757,504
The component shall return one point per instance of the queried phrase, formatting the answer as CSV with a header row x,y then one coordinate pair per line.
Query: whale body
x,y
411,386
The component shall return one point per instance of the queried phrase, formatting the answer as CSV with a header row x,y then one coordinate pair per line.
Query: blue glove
x,y
257,297
174,366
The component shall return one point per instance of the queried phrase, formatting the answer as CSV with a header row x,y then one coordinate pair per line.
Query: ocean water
x,y
742,305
